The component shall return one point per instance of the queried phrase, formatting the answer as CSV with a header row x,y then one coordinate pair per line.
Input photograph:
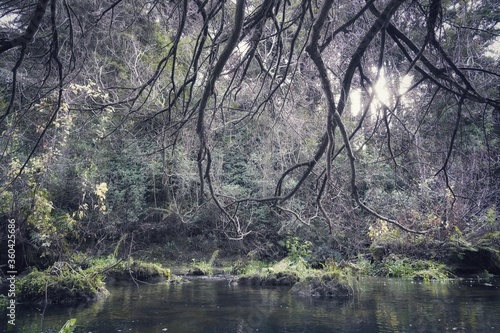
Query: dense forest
x,y
239,126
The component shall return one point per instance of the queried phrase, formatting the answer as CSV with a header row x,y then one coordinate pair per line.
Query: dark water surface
x,y
383,305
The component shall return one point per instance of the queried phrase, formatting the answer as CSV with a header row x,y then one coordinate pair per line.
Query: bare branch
x,y
30,31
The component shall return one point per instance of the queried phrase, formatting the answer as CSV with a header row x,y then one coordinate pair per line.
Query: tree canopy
x,y
254,116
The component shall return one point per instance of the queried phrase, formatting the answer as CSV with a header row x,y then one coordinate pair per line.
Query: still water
x,y
382,305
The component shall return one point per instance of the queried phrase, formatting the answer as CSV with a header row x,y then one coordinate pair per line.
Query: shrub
x,y
426,270
204,267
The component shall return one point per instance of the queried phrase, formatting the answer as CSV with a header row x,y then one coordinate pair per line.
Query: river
x,y
381,305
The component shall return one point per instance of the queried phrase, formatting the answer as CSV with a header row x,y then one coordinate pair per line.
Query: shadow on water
x,y
383,305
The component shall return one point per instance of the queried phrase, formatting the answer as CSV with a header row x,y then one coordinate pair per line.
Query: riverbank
x,y
333,279
72,281
83,279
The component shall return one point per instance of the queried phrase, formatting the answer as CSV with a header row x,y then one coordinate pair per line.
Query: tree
x,y
281,78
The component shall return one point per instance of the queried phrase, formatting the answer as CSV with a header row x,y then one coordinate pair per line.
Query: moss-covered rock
x,y
205,268
132,269
325,285
61,283
332,280
270,279
478,256
418,269
200,272
378,252
66,282
480,260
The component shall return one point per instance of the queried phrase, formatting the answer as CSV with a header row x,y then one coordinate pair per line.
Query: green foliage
x,y
249,268
331,280
364,266
382,233
298,252
127,187
116,251
396,267
299,267
459,244
77,280
328,284
119,153
204,267
426,270
61,283
334,271
143,270
491,217
491,239
128,269
4,302
6,198
48,229
213,257
69,326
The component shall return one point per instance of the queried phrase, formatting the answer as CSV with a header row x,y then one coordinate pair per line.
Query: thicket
x,y
147,141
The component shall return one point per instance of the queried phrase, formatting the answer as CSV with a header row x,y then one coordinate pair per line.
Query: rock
x,y
315,286
197,271
272,279
378,253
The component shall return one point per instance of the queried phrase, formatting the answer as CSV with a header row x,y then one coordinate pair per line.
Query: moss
x,y
426,270
283,273
332,280
61,283
66,282
250,267
325,285
287,278
145,270
204,267
4,301
129,269
69,326
475,256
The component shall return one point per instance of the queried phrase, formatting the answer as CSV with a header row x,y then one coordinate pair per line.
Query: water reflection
x,y
205,306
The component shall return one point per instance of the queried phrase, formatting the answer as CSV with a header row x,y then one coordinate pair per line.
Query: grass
x,y
69,326
251,267
425,270
204,267
128,269
339,279
332,280
72,281
62,283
